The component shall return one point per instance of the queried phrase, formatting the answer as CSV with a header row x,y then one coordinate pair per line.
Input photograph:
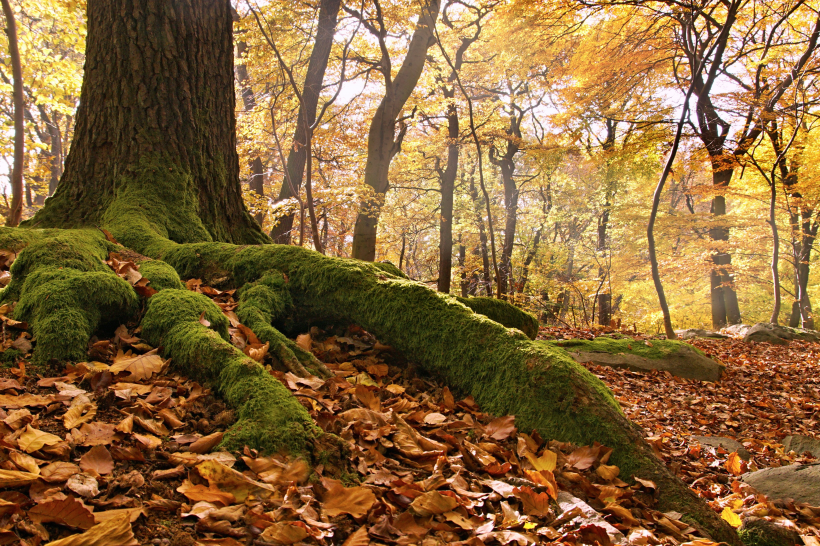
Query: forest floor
x,y
121,450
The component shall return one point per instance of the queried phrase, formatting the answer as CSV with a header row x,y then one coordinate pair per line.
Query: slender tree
x,y
16,210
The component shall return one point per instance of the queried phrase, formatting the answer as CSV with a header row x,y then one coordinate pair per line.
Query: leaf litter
x,y
121,450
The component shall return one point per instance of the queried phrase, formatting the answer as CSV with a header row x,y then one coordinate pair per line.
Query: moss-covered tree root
x,y
64,290
504,371
268,416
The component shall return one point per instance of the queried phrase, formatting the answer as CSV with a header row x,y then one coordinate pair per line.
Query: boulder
x,y
589,516
801,444
736,329
692,333
680,359
774,333
760,532
798,482
768,333
728,444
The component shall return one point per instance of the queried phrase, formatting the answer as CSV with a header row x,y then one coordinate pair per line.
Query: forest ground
x,y
121,449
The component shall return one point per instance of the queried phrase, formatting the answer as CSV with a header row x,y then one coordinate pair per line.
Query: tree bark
x,y
383,143
16,209
506,163
297,157
157,111
447,179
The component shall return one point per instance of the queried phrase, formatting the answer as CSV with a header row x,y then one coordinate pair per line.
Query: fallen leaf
x,y
339,499
82,410
546,479
432,503
230,481
285,532
534,504
140,367
15,478
84,485
358,538
730,517
547,461
97,459
734,464
68,511
24,462
113,532
206,443
500,429
32,439
58,471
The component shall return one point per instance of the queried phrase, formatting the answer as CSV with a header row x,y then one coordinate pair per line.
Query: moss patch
x,y
503,313
657,350
268,416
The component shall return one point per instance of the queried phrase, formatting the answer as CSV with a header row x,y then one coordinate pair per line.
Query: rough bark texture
x,y
297,157
157,104
506,163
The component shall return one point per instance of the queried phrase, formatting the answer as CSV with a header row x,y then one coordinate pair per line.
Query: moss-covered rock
x,y
679,359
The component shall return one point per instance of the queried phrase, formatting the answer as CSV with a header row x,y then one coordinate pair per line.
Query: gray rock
x,y
798,482
768,333
736,329
692,333
567,502
760,532
686,363
728,444
800,444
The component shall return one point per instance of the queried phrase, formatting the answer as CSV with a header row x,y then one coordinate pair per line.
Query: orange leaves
x,y
339,499
140,367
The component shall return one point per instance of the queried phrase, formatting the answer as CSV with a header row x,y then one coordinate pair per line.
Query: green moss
x,y
268,416
763,533
504,313
10,356
161,275
656,350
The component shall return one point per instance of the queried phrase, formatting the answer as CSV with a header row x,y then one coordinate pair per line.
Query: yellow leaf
x,y
734,464
14,478
141,366
547,461
32,439
730,517
82,410
112,532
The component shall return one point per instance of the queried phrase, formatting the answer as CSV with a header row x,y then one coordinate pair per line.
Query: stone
x,y
798,482
767,333
736,329
801,444
728,444
761,532
692,333
686,363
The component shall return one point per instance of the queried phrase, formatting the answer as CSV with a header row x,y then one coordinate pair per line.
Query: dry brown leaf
x,y
32,439
15,478
58,471
535,504
303,341
500,429
358,538
132,513
82,410
140,367
97,459
339,499
97,433
113,532
288,532
230,481
367,397
432,503
68,511
201,493
583,457
545,478
24,462
608,472
206,443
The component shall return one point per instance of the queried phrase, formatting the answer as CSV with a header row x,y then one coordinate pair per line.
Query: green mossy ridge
x,y
268,416
263,302
657,350
10,356
161,275
503,313
64,289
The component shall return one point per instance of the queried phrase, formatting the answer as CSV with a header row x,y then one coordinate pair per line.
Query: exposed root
x,y
66,292
268,416
265,301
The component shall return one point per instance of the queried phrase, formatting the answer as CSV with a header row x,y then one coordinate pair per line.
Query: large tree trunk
x,y
725,308
156,123
382,140
147,157
297,157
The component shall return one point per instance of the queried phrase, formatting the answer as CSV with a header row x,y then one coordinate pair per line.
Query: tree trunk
x,y
725,309
297,157
447,180
16,209
170,142
482,237
382,141
506,163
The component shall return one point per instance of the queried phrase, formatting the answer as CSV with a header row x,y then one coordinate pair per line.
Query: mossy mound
x,y
503,313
